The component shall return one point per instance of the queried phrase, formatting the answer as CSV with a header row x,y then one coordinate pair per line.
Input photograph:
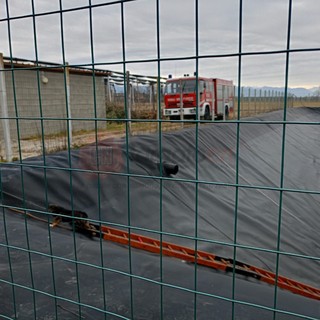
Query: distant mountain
x,y
298,92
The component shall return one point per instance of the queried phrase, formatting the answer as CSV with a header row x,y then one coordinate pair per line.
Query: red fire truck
x,y
215,98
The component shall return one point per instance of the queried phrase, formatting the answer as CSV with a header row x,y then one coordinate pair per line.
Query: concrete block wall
x,y
32,99
86,105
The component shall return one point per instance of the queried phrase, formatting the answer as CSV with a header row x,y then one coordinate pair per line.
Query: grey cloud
x,y
264,29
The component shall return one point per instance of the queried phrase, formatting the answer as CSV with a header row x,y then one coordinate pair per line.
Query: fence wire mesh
x,y
74,74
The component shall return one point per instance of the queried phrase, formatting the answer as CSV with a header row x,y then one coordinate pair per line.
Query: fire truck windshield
x,y
174,87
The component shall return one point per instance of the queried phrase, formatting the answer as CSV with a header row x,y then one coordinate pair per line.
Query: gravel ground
x,y
34,147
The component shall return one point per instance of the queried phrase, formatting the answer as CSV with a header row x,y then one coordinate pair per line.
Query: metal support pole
x,y
137,97
4,112
181,104
109,89
67,71
150,93
132,95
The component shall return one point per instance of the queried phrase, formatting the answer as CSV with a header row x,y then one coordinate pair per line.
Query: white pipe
x,y
4,112
68,103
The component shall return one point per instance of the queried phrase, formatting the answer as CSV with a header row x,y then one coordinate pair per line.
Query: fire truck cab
x,y
215,98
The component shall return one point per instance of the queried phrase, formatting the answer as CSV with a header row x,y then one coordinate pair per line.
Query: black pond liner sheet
x,y
64,269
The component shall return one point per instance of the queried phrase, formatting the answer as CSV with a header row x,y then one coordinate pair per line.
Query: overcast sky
x,y
264,28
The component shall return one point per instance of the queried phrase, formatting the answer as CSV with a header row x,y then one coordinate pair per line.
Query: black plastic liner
x,y
176,207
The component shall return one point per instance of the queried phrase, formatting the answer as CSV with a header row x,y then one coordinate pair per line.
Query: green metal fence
x,y
92,65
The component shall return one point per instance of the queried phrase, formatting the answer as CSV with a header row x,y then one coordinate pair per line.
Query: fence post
x,y
255,101
69,127
269,100
150,93
152,97
260,100
137,97
128,100
242,109
132,91
4,112
249,101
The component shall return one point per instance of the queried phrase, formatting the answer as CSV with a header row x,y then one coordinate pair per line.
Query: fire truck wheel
x,y
227,111
207,113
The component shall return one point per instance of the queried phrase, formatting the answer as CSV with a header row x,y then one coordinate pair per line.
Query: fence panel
x,y
111,210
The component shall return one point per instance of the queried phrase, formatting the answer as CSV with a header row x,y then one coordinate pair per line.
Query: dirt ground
x,y
35,147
